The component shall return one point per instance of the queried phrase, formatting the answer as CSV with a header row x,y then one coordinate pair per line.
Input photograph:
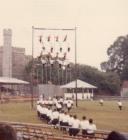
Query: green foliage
x,y
107,81
118,57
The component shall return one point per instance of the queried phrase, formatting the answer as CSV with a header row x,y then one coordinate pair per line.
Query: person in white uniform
x,y
101,102
91,128
84,124
120,105
55,117
69,105
74,130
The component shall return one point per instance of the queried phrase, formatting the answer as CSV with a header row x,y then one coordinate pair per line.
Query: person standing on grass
x,y
120,104
101,102
69,105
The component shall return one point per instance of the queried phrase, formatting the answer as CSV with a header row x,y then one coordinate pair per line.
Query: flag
x,y
68,49
40,39
51,50
60,49
49,38
65,56
43,48
65,38
56,38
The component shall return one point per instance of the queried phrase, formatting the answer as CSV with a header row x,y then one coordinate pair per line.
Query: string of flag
x,y
48,56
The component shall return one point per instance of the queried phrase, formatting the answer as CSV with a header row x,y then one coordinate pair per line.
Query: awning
x,y
11,81
80,84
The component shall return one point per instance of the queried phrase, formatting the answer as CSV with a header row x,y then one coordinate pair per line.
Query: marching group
x,y
57,112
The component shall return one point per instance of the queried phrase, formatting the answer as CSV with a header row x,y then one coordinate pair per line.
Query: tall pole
x,y
76,68
32,68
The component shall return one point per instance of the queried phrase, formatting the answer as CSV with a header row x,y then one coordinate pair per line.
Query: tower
x,y
7,53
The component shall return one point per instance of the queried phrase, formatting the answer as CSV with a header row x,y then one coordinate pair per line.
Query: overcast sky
x,y
98,22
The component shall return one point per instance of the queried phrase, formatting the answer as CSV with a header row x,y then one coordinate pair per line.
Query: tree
x,y
118,56
105,81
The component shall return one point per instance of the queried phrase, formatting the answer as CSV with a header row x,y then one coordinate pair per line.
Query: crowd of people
x,y
56,112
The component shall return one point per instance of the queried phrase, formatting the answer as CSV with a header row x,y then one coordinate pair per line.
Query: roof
x,y
10,80
80,84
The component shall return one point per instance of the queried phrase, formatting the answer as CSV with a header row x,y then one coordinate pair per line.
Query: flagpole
x,y
32,68
76,67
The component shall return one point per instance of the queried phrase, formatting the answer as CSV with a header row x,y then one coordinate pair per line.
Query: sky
x,y
98,22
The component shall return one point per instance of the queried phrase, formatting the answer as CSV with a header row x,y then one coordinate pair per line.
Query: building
x,y
12,59
84,90
124,89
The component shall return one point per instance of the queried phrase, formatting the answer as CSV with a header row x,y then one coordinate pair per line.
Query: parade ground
x,y
106,117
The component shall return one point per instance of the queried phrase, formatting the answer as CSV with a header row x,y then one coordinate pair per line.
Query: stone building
x,y
12,59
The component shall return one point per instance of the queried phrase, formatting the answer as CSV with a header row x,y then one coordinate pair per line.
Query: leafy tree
x,y
118,56
105,81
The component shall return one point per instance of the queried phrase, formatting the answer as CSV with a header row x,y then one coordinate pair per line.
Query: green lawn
x,y
107,117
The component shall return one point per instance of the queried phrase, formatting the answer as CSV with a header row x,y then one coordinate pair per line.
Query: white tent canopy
x,y
10,81
80,84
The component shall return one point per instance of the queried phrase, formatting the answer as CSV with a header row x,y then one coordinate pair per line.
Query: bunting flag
x,y
43,48
65,38
60,65
56,38
51,49
49,38
68,49
40,39
65,56
60,49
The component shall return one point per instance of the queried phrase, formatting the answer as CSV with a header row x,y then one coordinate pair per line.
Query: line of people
x,y
66,122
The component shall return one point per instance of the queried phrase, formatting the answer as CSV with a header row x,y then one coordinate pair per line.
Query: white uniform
x,y
76,123
66,118
58,106
70,121
55,115
119,103
91,128
84,124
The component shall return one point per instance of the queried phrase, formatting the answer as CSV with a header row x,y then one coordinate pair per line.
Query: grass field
x,y
107,117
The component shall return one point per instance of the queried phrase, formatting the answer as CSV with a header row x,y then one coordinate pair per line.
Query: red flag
x,y
65,38
49,38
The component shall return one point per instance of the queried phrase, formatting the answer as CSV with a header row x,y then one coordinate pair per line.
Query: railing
x,y
28,131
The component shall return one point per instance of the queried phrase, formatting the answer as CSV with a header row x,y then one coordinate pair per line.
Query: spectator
x,y
55,117
116,136
84,124
7,132
74,130
91,127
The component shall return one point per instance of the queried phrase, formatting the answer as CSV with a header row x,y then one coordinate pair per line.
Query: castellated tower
x,y
7,53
